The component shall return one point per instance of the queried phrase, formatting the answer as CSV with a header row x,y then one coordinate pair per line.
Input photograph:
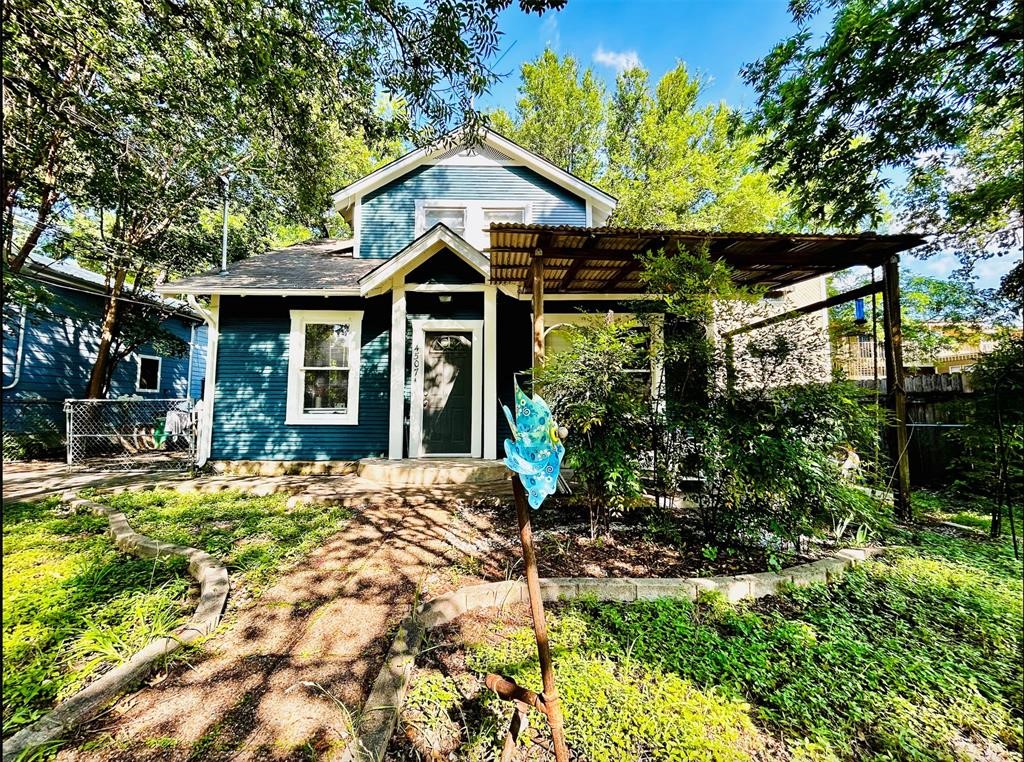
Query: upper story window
x,y
148,378
453,217
323,367
469,219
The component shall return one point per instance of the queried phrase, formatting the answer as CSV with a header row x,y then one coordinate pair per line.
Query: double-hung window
x,y
469,219
323,367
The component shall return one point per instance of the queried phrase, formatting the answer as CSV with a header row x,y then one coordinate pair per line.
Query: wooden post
x,y
537,289
895,389
552,708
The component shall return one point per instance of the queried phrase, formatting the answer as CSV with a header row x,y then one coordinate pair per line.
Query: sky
x,y
715,38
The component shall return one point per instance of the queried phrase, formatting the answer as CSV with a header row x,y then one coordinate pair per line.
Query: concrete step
x,y
430,472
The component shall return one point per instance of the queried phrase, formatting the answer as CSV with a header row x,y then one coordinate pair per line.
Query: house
x,y
401,342
49,350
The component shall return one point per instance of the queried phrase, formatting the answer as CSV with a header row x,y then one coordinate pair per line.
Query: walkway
x,y
283,678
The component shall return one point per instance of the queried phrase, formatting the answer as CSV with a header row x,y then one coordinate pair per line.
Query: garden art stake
x,y
534,455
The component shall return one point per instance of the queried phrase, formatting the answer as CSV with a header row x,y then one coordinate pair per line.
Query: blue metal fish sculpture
x,y
535,451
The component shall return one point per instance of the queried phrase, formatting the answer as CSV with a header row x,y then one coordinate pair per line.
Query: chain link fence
x,y
130,434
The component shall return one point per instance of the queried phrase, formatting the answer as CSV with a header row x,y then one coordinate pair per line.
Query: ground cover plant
x,y
916,656
252,535
73,605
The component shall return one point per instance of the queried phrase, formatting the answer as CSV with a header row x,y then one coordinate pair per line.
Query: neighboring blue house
x,y
400,342
48,354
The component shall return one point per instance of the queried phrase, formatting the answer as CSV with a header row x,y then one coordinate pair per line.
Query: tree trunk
x,y
108,330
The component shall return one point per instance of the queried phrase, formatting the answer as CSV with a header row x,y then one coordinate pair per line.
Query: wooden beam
x,y
577,264
846,296
895,390
537,278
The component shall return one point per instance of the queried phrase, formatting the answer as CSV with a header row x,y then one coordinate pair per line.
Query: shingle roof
x,y
318,265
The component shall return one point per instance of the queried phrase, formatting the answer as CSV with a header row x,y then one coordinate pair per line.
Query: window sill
x,y
348,419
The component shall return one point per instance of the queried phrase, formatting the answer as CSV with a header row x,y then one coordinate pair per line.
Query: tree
x,y
559,114
128,114
675,163
669,160
929,89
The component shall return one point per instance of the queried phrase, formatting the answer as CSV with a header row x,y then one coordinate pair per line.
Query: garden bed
x,y
75,606
916,656
642,543
254,536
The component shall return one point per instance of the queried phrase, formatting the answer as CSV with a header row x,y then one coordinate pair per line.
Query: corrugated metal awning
x,y
607,259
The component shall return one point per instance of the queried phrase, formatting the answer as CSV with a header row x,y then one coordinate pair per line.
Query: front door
x,y
447,392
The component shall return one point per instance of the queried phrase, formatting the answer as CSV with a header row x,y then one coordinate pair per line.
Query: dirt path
x,y
282,680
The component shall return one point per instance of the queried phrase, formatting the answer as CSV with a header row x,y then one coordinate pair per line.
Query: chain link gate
x,y
129,434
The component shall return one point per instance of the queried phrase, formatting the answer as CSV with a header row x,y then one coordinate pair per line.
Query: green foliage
x,y
559,114
252,535
930,88
592,391
74,605
670,161
770,462
901,660
991,461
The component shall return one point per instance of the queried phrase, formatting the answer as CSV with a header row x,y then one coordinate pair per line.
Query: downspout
x,y
191,350
19,357
206,426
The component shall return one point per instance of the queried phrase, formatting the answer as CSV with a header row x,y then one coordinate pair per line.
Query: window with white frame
x,y
148,377
323,367
470,219
557,338
452,217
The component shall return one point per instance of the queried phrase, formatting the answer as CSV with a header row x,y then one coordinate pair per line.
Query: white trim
x,y
490,448
205,433
296,349
396,413
419,330
446,288
355,191
138,373
439,237
357,228
593,297
590,215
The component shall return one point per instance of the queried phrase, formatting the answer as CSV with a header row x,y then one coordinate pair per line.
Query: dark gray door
x,y
447,392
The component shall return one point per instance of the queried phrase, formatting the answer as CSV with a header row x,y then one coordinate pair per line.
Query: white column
x,y
490,372
205,433
396,416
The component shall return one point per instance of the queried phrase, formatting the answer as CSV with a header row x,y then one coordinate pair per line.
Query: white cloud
x,y
618,60
549,31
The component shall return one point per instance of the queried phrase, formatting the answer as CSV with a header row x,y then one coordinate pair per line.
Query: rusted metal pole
x,y
895,388
553,709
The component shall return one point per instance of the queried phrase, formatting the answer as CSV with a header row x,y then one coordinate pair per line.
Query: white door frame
x,y
419,331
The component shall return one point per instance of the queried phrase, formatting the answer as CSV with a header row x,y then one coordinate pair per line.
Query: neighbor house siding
x,y
252,383
388,214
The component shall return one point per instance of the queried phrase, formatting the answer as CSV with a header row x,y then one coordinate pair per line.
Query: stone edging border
x,y
91,700
380,712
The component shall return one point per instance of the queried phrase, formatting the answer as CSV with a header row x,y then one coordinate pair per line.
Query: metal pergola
x,y
565,259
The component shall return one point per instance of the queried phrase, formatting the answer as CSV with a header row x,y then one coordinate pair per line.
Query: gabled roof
x,y
401,166
324,266
437,238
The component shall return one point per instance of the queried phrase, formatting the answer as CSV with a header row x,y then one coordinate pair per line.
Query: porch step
x,y
431,472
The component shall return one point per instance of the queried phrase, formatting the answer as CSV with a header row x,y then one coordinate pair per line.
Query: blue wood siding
x,y
388,214
252,383
59,349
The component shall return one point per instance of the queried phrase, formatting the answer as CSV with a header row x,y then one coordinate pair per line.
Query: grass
x,y
74,605
253,536
913,657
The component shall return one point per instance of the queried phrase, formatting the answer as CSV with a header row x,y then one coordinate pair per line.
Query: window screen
x,y
325,367
453,217
149,374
